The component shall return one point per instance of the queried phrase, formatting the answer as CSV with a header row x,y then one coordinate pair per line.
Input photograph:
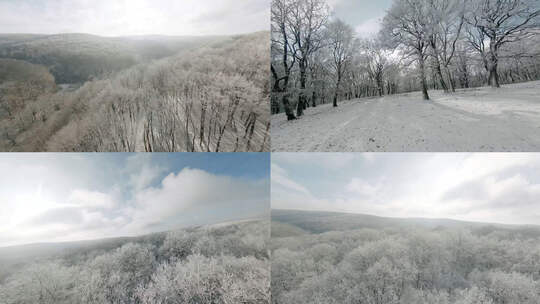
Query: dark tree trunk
x,y
440,76
288,110
494,76
493,62
300,104
277,89
337,86
423,75
300,107
380,86
450,79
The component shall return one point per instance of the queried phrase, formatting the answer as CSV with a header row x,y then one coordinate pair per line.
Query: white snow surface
x,y
470,120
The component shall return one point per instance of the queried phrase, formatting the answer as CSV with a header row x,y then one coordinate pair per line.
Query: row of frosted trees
x,y
422,44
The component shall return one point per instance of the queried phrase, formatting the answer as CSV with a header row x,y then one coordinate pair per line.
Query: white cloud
x,y
362,187
192,189
370,27
135,17
142,171
486,187
91,199
51,198
280,178
333,3
325,160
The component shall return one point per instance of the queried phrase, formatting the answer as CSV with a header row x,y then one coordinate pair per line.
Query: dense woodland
x,y
118,95
422,45
321,257
214,264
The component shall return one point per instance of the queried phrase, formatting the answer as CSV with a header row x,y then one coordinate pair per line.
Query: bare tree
x,y
282,48
341,43
450,26
406,27
446,18
497,23
376,60
306,20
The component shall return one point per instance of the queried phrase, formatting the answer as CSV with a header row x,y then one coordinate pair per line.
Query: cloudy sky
x,y
364,15
490,187
134,17
65,197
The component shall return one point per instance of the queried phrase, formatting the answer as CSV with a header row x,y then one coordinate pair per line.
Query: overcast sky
x,y
364,15
134,17
66,197
490,187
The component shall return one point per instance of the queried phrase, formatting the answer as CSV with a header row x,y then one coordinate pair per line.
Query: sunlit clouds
x,y
59,197
134,17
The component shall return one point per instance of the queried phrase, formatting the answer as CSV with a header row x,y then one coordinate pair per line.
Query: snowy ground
x,y
480,119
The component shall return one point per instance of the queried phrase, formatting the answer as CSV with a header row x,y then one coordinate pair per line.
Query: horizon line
x,y
407,217
134,35
189,226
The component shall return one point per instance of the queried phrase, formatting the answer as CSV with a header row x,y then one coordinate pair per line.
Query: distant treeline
x,y
77,58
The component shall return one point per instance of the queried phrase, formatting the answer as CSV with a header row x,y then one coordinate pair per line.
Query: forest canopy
x,y
405,261
224,263
206,98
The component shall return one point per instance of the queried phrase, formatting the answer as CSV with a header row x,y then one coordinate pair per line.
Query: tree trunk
x,y
494,76
433,45
423,75
440,76
288,110
302,96
493,62
337,86
300,104
450,79
380,87
313,99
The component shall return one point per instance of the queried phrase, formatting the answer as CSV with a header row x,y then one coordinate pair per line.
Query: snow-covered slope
x,y
480,119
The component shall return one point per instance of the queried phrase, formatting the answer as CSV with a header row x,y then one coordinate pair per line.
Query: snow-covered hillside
x,y
480,119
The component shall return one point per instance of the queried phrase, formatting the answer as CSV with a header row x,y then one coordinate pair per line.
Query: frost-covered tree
x,y
341,42
306,21
497,23
403,265
406,25
282,53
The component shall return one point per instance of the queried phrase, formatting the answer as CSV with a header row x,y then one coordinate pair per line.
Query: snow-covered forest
x,y
223,263
78,92
322,257
437,50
